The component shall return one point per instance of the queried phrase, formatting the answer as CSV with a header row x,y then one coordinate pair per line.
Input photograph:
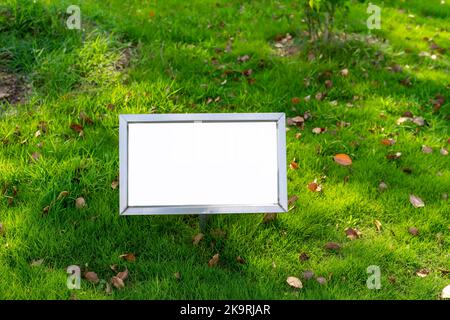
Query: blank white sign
x,y
202,163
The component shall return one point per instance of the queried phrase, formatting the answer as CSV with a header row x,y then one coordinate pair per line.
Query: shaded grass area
x,y
181,56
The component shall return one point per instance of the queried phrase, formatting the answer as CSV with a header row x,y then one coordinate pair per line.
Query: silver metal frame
x,y
125,119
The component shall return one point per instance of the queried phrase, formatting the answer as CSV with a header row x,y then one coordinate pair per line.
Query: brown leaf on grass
x,y
344,72
407,114
382,186
352,234
393,156
240,260
130,257
413,230
296,121
292,199
298,135
308,274
422,273
295,100
294,282
320,96
378,225
437,102
62,194
343,159
37,134
76,127
303,257
426,149
388,142
402,120
108,288
114,184
444,152
419,121
247,73
269,217
332,246
45,210
117,282
416,201
91,277
321,280
85,118
213,261
314,186
243,58
197,238
123,275
406,82
80,203
328,84
36,156
293,165
319,130
36,263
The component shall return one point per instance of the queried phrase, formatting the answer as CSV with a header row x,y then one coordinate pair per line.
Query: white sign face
x,y
202,163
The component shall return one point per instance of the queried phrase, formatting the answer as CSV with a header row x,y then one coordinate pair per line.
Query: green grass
x,y
175,67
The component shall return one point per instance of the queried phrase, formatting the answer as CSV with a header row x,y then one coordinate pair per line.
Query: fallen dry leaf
x,y
422,273
243,58
123,275
416,201
84,117
388,142
318,130
382,186
303,257
308,274
378,225
197,238
321,280
128,257
343,159
426,149
298,135
294,282
240,260
413,230
292,199
76,127
36,156
80,203
213,261
352,234
419,121
36,263
117,282
444,152
293,165
402,120
328,84
62,194
344,72
177,275
114,184
332,246
295,100
314,186
394,156
91,277
269,217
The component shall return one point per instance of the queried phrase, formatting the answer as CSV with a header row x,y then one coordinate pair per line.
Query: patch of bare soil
x,y
13,88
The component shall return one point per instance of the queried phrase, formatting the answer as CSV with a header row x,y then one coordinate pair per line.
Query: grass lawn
x,y
225,56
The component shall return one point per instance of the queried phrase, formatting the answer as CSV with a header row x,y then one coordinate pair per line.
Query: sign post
x,y
202,164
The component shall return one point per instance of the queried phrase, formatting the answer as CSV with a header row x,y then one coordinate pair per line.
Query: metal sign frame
x,y
126,119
